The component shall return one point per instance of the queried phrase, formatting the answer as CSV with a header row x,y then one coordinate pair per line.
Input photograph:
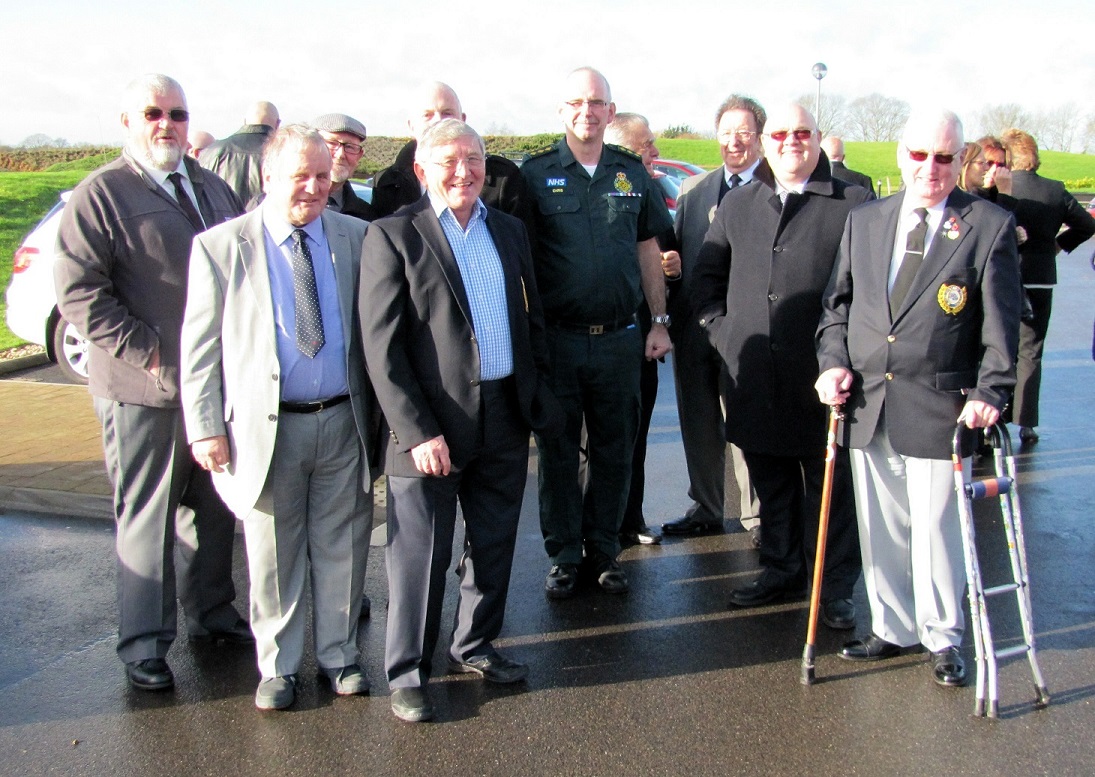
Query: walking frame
x,y
1003,485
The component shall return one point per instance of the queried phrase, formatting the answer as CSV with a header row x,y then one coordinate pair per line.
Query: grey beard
x,y
162,158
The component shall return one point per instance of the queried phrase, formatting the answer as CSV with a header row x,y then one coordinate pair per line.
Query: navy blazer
x,y
954,338
420,346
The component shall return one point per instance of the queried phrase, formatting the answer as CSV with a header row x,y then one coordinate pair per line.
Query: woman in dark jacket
x,y
1044,207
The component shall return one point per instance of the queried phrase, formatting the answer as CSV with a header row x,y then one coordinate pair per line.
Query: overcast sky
x,y
65,63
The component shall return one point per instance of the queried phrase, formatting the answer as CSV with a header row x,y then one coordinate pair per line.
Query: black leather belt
x,y
313,407
594,329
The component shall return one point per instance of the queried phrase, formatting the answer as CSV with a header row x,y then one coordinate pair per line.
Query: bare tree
x,y
876,118
1060,128
1088,139
40,139
994,119
832,114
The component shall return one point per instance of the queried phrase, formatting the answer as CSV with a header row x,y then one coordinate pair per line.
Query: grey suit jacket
x,y
231,374
954,338
420,345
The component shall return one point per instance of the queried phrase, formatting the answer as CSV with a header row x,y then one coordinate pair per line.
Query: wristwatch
x,y
662,319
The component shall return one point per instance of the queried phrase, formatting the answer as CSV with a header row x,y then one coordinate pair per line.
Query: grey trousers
x,y
312,522
911,540
161,494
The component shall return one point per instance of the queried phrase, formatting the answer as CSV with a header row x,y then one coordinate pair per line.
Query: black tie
x,y
306,298
735,181
186,203
914,257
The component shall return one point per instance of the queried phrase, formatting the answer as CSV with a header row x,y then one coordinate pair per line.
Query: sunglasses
x,y
922,156
175,114
800,134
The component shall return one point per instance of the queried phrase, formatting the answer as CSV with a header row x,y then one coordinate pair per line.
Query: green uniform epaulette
x,y
625,151
540,152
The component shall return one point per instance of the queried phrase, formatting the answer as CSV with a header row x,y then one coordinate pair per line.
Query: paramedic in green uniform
x,y
595,217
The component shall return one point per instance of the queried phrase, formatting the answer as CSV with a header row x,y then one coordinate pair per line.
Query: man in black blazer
x,y
833,146
757,290
454,345
918,334
1044,207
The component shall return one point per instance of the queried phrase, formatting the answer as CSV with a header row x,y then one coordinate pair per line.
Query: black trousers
x,y
789,490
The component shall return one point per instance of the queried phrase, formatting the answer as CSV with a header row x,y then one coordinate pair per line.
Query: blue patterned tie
x,y
306,298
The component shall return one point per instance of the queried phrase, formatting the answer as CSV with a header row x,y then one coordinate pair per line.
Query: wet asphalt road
x,y
664,681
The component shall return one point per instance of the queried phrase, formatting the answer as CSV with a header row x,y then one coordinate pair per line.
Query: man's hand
x,y
657,342
978,415
834,385
671,264
432,457
211,453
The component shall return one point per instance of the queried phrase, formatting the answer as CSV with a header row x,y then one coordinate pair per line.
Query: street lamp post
x,y
819,70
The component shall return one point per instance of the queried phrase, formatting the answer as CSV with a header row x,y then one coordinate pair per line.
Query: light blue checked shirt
x,y
481,270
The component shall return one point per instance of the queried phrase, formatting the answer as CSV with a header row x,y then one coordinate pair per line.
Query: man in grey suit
x,y
697,367
277,408
918,334
122,252
454,342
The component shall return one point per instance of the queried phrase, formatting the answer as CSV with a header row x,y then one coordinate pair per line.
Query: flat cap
x,y
339,122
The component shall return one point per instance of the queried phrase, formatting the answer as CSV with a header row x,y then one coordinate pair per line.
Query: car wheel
x,y
70,349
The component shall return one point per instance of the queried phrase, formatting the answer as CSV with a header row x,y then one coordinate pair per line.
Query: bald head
x,y
435,102
263,112
833,146
792,144
199,139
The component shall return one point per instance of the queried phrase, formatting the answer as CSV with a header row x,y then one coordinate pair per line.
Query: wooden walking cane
x,y
835,416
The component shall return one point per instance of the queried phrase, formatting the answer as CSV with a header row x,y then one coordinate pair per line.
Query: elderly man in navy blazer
x,y
919,333
454,343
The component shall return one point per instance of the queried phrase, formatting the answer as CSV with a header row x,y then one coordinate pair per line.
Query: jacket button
x,y
773,297
777,250
271,417
774,346
274,376
889,376
890,339
475,382
703,322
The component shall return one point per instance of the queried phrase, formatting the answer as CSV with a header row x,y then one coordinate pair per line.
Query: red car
x,y
677,169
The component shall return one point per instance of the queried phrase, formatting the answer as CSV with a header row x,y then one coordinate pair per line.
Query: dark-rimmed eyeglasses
x,y
353,149
922,156
593,104
175,114
799,134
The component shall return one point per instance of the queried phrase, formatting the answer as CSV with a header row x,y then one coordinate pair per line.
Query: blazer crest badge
x,y
952,298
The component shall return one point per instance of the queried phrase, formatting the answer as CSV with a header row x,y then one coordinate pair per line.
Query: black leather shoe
x,y
948,669
871,648
611,578
492,667
758,593
561,581
150,674
838,614
1028,435
238,633
412,704
643,536
690,527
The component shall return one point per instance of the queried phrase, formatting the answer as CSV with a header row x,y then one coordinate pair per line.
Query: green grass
x,y
24,199
879,160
